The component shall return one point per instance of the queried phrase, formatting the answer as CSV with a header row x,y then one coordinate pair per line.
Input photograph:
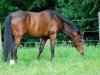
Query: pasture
x,y
67,62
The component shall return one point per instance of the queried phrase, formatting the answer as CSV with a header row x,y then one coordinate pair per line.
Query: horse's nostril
x,y
81,53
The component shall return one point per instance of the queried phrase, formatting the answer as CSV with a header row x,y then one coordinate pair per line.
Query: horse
x,y
45,25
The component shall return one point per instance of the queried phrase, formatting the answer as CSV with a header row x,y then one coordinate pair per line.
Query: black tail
x,y
67,21
8,39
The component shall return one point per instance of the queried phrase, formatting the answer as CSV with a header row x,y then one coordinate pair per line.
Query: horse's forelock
x,y
81,35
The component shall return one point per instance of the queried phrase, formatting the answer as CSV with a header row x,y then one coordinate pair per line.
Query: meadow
x,y
67,62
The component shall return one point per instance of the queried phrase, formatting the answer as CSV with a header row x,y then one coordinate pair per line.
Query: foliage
x,y
80,9
72,9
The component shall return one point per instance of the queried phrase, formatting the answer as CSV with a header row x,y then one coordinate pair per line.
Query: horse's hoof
x,y
12,62
4,59
37,58
52,59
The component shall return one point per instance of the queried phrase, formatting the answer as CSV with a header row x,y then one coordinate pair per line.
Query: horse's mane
x,y
65,20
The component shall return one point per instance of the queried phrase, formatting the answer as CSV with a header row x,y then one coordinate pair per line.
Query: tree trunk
x,y
0,38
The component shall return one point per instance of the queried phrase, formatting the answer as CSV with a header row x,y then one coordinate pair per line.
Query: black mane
x,y
67,21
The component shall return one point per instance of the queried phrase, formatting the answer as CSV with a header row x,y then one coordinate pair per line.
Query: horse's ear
x,y
79,32
81,35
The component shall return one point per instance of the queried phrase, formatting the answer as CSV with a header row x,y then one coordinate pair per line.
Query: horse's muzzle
x,y
82,53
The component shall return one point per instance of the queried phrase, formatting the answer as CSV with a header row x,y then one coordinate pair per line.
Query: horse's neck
x,y
68,30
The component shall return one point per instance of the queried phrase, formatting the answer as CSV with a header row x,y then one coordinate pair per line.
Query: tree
x,y
72,9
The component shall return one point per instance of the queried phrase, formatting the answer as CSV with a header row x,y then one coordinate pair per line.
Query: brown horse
x,y
46,25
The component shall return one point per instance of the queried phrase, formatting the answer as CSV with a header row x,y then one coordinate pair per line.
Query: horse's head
x,y
78,42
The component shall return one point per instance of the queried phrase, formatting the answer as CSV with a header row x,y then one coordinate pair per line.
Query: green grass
x,y
67,62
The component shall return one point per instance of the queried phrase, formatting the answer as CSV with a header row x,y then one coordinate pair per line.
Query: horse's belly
x,y
37,33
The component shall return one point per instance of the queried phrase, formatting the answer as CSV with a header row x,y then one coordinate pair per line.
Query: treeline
x,y
79,11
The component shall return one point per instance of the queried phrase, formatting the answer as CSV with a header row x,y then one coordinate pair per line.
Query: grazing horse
x,y
45,24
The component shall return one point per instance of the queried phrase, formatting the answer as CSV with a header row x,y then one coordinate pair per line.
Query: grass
x,y
67,62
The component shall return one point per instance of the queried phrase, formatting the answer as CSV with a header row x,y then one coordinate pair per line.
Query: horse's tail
x,y
8,39
64,19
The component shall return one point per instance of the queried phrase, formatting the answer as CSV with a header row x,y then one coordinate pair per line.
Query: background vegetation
x,y
79,10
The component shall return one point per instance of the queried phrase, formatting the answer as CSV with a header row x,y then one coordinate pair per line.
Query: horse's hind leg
x,y
14,50
41,47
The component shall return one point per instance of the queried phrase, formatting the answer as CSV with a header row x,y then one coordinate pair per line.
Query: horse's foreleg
x,y
14,50
41,47
52,44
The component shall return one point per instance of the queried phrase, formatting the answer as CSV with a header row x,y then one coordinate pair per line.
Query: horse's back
x,y
40,22
36,24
